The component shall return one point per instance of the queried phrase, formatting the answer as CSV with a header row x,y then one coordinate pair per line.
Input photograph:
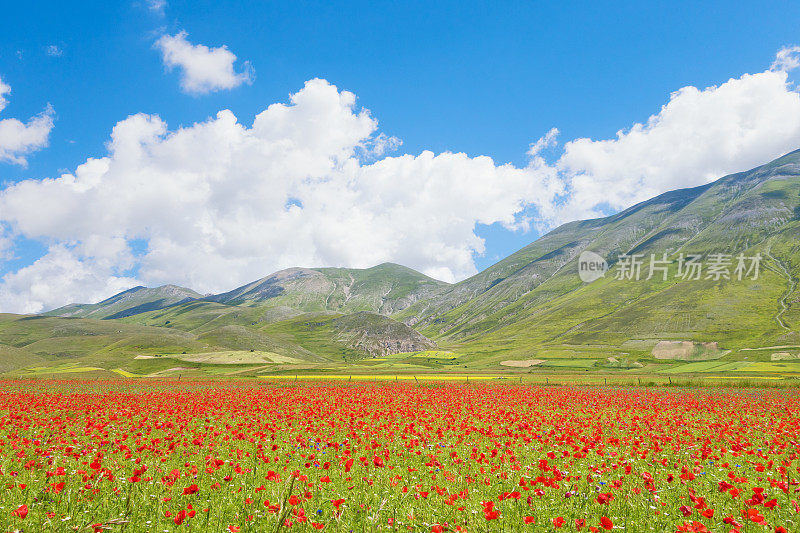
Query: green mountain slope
x,y
534,300
378,335
71,345
180,323
384,289
292,298
127,303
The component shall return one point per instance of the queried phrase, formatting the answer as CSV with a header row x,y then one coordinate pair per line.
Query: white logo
x,y
591,266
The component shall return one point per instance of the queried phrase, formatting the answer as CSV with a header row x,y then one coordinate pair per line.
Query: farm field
x,y
268,455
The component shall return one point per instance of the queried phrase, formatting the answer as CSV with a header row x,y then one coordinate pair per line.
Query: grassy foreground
x,y
145,455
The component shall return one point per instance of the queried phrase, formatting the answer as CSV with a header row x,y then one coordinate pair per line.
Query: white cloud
x,y
787,58
221,203
4,90
54,51
547,141
203,69
697,137
157,6
17,138
60,277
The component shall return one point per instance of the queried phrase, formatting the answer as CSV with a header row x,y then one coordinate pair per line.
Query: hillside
x,y
534,301
385,289
32,346
127,303
378,335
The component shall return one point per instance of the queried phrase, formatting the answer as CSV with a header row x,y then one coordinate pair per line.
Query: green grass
x,y
428,354
66,368
688,368
125,373
570,363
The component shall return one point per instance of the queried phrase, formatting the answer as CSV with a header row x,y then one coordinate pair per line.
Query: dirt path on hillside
x,y
784,272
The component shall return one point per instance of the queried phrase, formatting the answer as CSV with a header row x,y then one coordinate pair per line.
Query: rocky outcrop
x,y
377,335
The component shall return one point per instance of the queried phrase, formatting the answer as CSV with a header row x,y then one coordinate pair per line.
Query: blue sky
x,y
483,79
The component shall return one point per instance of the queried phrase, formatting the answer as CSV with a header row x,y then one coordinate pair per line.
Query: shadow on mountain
x,y
145,307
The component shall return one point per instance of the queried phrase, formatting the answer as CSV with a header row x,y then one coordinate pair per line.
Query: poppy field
x,y
221,456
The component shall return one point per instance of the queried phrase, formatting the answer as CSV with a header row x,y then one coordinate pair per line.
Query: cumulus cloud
x,y
17,139
221,203
307,183
697,137
59,277
203,69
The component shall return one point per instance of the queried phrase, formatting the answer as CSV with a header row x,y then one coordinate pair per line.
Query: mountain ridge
x,y
325,289
128,302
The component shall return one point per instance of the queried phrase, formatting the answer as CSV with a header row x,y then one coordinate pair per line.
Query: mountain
x,y
530,311
385,289
127,303
534,300
378,335
299,315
